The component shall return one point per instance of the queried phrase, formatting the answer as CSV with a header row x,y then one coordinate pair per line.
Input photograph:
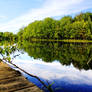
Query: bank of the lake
x,y
64,40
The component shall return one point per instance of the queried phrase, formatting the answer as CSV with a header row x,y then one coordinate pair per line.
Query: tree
x,y
79,27
65,26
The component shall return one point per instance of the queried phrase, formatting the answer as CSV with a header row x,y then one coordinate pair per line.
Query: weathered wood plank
x,y
13,81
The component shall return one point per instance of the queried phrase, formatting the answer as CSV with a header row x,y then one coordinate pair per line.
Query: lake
x,y
67,67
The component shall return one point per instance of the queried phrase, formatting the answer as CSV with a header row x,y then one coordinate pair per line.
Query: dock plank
x,y
12,81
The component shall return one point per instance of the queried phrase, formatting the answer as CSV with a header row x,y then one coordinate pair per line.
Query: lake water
x,y
66,66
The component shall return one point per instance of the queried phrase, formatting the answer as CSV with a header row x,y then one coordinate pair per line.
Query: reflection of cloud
x,y
56,71
50,8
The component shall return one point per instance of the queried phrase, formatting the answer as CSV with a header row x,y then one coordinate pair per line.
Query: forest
x,y
9,36
68,27
79,27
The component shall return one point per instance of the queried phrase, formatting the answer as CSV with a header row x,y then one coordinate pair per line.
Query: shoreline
x,y
64,40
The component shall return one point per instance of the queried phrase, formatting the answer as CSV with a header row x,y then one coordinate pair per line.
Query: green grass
x,y
65,40
83,41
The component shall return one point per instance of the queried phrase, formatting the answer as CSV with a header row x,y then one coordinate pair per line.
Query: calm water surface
x,y
66,66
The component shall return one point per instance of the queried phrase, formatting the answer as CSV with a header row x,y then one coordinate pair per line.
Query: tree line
x,y
79,27
7,36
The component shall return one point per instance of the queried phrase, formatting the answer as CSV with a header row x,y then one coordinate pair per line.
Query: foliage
x,y
6,51
79,27
9,36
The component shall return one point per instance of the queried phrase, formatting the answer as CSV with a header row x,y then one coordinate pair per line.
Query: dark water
x,y
66,66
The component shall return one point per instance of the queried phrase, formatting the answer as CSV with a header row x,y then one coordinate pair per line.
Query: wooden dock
x,y
13,81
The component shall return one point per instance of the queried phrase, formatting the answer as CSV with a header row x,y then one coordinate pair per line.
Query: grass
x,y
83,41
65,40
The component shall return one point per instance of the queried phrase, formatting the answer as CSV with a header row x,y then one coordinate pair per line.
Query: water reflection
x,y
80,55
68,66
65,78
55,71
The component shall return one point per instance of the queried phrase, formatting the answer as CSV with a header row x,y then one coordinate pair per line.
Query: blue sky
x,y
15,14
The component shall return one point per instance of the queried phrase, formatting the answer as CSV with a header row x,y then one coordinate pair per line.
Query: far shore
x,y
64,40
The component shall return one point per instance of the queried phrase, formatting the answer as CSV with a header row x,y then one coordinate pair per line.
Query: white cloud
x,y
50,8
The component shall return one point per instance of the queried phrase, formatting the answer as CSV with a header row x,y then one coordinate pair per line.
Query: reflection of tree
x,y
77,54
